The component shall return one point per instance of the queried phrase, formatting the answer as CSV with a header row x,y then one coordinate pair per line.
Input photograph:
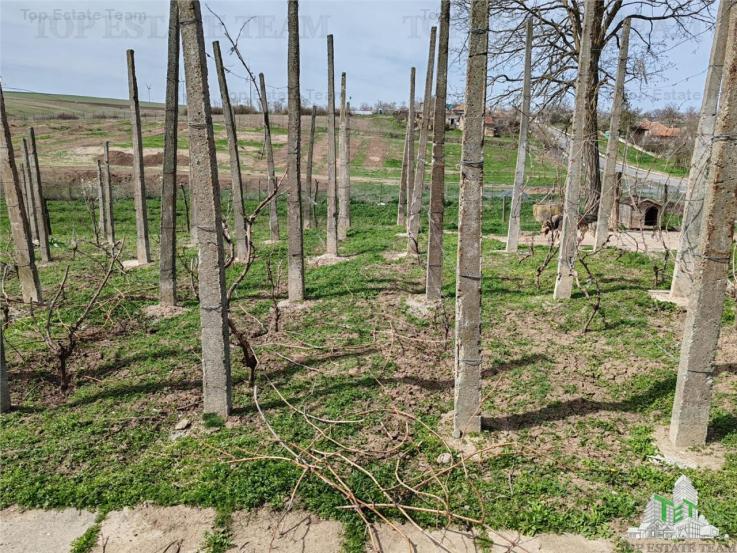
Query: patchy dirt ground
x,y
408,538
151,529
645,241
154,529
36,531
293,532
69,150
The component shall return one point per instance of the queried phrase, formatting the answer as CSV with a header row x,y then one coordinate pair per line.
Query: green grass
x,y
646,161
27,104
499,163
571,413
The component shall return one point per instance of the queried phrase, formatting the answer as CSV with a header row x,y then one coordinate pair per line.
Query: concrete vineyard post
x,y
168,223
434,279
467,393
216,377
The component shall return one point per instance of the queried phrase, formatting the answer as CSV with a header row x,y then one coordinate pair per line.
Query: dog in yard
x,y
555,223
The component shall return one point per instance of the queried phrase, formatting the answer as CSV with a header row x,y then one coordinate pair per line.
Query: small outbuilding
x,y
637,213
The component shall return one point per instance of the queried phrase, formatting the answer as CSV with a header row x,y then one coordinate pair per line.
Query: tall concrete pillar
x,y
30,196
143,252
609,188
418,186
216,377
42,216
434,273
295,245
236,181
408,173
467,395
515,210
102,212
308,201
108,180
690,417
683,272
576,174
20,230
332,223
26,191
270,171
168,220
344,200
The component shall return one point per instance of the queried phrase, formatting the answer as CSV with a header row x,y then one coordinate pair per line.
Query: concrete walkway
x,y
152,529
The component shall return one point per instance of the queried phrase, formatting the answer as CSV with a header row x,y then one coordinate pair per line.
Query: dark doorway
x,y
651,216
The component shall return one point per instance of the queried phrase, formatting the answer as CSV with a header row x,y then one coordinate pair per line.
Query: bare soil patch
x,y
159,312
153,529
710,457
463,541
633,241
36,531
124,158
377,148
326,259
394,256
292,532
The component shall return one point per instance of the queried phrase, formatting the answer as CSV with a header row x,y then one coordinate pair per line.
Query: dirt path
x,y
633,241
151,529
154,529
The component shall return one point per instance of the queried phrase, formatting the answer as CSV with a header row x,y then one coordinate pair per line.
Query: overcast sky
x,y
74,47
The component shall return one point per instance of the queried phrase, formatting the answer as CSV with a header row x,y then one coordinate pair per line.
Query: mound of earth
x,y
151,160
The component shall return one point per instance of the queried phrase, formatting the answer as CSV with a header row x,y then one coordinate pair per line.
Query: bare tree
x,y
434,281
42,214
418,187
610,168
344,200
698,174
467,416
296,265
576,177
308,204
408,173
168,228
143,251
515,209
205,188
24,257
557,40
332,216
270,171
691,406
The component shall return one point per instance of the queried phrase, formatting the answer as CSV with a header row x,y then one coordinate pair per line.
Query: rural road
x,y
633,172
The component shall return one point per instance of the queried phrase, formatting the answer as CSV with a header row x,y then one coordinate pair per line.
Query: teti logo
x,y
676,518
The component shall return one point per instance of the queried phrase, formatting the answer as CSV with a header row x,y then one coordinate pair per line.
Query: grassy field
x,y
571,414
68,147
646,161
34,104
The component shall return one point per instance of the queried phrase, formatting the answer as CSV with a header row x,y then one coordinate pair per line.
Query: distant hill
x,y
30,105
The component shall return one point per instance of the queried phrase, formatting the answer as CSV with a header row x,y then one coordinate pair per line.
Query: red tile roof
x,y
659,130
